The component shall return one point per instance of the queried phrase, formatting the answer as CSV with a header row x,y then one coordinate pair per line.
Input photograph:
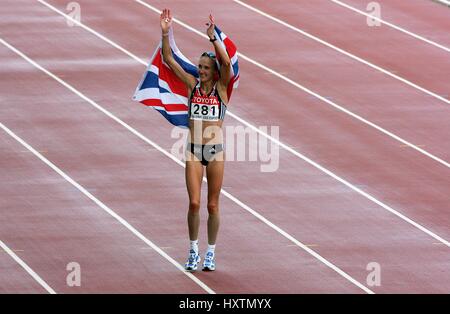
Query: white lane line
x,y
145,139
345,5
26,267
446,2
294,152
348,54
265,68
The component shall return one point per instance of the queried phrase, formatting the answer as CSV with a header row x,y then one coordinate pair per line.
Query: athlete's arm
x,y
166,24
225,67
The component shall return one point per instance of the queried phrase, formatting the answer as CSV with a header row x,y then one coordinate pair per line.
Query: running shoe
x,y
193,260
209,264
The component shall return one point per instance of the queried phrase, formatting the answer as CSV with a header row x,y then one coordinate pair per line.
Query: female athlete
x,y
207,106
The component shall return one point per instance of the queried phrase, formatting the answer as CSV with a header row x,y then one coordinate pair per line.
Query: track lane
x,y
392,105
402,55
88,86
13,278
395,115
440,197
426,18
128,183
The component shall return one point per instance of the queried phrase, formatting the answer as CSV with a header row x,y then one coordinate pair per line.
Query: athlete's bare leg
x,y
194,176
214,174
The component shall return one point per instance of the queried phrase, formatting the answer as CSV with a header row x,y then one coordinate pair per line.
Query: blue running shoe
x,y
209,264
193,260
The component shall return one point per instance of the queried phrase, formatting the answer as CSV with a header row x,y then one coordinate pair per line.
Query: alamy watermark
x,y
74,9
241,144
373,279
374,9
73,279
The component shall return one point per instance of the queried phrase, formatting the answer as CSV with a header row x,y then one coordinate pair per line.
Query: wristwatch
x,y
213,40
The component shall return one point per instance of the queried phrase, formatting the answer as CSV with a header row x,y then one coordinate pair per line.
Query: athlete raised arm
x,y
166,23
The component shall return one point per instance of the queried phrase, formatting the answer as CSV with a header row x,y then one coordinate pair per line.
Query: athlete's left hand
x,y
210,30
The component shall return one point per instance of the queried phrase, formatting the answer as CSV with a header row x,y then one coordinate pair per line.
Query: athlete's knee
x,y
194,206
213,208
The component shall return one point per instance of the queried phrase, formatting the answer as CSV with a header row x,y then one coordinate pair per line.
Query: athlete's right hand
x,y
165,20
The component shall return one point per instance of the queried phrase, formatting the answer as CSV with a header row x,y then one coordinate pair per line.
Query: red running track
x,y
50,223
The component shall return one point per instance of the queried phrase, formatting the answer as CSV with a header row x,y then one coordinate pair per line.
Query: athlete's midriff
x,y
205,132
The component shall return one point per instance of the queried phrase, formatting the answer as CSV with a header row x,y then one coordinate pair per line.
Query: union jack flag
x,y
161,89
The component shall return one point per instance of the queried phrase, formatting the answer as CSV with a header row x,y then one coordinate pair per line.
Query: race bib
x,y
204,112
